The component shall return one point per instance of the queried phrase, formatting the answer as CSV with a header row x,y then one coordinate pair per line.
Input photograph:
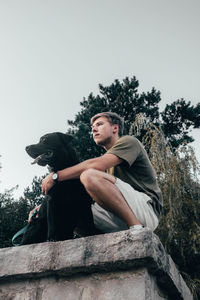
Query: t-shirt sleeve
x,y
126,148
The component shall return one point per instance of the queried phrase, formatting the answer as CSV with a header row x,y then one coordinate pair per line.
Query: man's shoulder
x,y
128,139
126,143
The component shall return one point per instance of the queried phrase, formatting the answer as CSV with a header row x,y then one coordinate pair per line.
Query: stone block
x,y
122,265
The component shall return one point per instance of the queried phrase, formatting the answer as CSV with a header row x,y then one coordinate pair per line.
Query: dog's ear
x,y
65,138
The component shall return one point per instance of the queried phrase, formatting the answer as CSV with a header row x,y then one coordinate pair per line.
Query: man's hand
x,y
47,183
32,212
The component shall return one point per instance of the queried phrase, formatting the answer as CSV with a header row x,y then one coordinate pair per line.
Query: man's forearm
x,y
70,173
76,171
99,163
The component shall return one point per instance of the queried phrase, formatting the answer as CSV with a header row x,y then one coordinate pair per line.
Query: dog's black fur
x,y
67,205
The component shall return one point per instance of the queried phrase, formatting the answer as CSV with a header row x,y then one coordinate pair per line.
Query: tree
x,y
177,173
176,120
14,213
13,216
33,195
122,98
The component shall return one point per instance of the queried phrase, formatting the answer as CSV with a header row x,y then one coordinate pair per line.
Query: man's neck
x,y
111,143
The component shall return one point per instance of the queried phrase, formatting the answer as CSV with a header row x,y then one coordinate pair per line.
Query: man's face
x,y
103,131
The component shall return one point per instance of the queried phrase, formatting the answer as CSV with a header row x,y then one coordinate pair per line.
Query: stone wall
x,y
121,266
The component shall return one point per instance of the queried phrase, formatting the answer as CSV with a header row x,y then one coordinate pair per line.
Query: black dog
x,y
67,206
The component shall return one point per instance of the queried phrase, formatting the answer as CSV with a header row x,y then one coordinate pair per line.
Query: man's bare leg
x,y
101,187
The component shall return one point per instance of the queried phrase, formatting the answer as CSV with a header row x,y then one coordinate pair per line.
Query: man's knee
x,y
89,178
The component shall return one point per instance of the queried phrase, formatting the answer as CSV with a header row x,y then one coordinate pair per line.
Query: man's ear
x,y
115,128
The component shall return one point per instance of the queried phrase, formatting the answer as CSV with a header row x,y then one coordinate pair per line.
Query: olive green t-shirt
x,y
136,169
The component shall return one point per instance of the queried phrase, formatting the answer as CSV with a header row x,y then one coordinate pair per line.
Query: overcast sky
x,y
54,53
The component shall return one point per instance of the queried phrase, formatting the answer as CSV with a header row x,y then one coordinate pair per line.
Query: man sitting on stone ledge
x,y
122,182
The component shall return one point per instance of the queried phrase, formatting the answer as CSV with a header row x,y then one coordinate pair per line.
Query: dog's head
x,y
53,149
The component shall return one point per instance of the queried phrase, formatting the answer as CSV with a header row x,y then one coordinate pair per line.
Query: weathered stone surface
x,y
121,265
126,285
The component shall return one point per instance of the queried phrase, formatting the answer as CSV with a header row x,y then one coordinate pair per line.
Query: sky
x,y
54,53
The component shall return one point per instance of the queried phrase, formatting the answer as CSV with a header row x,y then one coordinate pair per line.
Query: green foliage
x,y
14,213
120,97
33,195
179,229
13,216
178,118
177,172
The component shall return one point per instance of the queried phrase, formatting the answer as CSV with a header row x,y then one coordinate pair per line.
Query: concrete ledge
x,y
117,252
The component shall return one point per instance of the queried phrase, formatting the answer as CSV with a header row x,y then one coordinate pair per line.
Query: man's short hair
x,y
113,118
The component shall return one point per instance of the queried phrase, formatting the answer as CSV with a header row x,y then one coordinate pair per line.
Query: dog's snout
x,y
29,150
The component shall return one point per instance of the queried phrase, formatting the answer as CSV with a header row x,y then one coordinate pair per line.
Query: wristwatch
x,y
55,177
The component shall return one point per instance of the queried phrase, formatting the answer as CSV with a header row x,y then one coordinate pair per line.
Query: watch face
x,y
55,176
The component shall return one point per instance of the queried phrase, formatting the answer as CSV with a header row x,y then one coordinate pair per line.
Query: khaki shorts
x,y
140,204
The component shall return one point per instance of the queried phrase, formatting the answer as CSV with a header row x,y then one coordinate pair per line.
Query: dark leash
x,y
23,230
